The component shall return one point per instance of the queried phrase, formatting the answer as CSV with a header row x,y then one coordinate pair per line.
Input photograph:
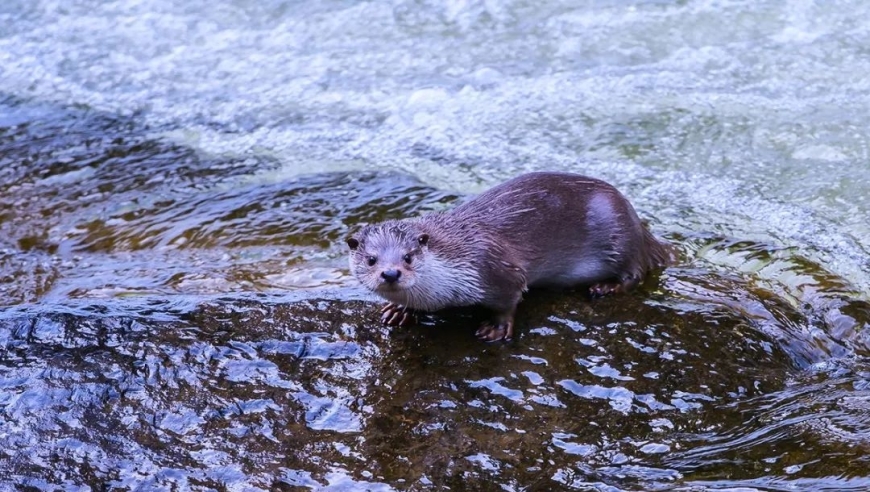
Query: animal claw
x,y
396,315
601,290
492,332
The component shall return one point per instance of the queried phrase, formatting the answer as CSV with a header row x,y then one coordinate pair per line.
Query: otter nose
x,y
391,275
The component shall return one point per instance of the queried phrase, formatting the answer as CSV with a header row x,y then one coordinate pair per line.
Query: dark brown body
x,y
540,229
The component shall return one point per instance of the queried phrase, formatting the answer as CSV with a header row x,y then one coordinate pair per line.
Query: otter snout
x,y
391,276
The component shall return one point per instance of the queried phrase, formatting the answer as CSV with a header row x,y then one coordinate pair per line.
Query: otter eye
x,y
371,260
423,239
407,258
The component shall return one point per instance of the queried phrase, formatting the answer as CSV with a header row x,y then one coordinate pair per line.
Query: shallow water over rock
x,y
175,182
649,391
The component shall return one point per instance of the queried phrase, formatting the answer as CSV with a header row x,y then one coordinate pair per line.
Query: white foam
x,y
711,115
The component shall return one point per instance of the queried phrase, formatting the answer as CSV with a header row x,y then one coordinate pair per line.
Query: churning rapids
x,y
176,179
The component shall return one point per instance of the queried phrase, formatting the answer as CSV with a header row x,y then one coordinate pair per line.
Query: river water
x,y
176,179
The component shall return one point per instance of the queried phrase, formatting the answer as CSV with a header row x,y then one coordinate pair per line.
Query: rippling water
x,y
175,179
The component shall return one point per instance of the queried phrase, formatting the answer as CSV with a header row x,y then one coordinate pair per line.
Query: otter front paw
x,y
493,332
397,315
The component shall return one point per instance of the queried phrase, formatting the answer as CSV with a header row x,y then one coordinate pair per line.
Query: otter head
x,y
385,257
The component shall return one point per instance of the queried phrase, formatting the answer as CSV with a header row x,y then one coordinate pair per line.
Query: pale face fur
x,y
425,281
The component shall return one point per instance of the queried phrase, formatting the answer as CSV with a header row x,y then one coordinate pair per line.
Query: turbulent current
x,y
176,179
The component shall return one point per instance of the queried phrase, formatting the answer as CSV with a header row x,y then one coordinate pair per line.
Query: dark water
x,y
176,308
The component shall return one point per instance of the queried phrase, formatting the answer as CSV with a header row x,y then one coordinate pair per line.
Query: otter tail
x,y
661,254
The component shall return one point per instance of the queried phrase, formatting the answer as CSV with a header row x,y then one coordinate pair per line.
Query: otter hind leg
x,y
397,315
604,289
613,286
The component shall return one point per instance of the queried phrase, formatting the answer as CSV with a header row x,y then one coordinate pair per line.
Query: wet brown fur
x,y
539,229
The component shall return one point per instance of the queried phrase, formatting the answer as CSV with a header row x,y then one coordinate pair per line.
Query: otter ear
x,y
423,239
353,243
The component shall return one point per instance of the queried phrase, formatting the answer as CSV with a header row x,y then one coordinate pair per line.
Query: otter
x,y
542,229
